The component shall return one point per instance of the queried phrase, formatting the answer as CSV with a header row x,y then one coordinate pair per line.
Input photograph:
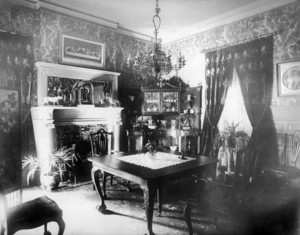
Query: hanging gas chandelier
x,y
156,61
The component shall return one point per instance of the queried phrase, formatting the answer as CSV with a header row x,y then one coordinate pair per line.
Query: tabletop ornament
x,y
150,148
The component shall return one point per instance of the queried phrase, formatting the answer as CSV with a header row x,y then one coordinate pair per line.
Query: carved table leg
x,y
105,175
95,178
149,194
187,216
160,197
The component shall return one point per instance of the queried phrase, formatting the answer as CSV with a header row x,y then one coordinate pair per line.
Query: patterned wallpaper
x,y
284,20
21,21
47,27
118,47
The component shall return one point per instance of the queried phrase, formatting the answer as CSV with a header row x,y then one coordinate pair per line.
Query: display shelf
x,y
165,101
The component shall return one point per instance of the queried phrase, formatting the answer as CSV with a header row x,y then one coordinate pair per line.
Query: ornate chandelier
x,y
155,61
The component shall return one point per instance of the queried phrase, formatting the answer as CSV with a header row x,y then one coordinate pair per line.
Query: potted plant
x,y
228,143
53,168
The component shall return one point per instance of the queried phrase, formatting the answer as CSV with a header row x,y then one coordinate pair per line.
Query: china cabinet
x,y
167,118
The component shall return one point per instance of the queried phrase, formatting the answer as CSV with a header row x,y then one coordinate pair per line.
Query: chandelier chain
x,y
155,62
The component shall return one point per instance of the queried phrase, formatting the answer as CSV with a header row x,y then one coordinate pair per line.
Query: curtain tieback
x,y
260,118
209,121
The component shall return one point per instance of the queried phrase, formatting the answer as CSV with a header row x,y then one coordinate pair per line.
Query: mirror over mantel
x,y
47,71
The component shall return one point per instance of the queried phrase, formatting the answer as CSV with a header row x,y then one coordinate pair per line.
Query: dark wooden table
x,y
150,180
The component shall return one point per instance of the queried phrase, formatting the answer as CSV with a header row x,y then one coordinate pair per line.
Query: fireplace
x,y
49,121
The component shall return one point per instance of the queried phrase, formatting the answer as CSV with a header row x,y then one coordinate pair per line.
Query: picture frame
x,y
10,133
288,75
82,52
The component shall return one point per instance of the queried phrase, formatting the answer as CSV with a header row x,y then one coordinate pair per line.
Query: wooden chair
x,y
100,145
227,195
30,214
281,188
288,171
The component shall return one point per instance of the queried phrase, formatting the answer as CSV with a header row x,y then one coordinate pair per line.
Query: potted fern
x,y
53,168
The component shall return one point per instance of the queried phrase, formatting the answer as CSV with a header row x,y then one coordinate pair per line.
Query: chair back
x,y
100,142
8,198
244,168
292,148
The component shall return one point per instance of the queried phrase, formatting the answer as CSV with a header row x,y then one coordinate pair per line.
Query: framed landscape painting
x,y
81,52
288,78
10,138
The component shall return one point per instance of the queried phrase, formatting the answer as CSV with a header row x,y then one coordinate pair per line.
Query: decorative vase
x,y
50,181
152,155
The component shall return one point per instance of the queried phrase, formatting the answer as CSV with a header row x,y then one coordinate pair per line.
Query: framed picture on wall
x,y
81,52
10,138
288,74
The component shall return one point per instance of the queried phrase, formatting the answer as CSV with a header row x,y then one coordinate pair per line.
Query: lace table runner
x,y
158,161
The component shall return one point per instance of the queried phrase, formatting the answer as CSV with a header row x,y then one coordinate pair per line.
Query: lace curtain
x,y
234,109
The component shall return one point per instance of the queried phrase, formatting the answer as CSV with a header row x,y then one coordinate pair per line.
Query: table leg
x,y
149,194
187,216
160,197
105,175
95,178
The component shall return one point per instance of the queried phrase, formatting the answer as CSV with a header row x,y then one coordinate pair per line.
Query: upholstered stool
x,y
34,213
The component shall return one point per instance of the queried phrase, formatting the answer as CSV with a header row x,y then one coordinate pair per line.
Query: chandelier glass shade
x,y
156,61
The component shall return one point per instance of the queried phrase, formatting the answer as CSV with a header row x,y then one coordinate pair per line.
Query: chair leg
x,y
111,180
46,232
94,188
214,226
187,216
159,199
61,226
128,186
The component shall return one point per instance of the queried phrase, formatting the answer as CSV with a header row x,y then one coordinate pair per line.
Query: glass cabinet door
x,y
170,102
151,102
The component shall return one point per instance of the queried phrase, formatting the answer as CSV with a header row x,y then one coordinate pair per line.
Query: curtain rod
x,y
239,42
20,33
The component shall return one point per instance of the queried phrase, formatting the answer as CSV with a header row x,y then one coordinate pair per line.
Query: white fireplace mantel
x,y
46,117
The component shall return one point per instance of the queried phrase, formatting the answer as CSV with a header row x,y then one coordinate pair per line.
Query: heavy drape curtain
x,y
16,75
254,67
253,62
219,69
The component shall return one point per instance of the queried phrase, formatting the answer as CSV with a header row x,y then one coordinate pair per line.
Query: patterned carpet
x,y
127,203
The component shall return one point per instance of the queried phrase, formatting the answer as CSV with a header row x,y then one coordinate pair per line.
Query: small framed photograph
x,y
288,74
81,52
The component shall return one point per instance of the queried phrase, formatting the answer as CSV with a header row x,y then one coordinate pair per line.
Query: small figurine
x,y
53,100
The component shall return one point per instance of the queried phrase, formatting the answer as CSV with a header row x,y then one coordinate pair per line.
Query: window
x,y
234,109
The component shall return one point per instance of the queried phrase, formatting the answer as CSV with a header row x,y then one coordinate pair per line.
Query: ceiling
x,y
178,17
